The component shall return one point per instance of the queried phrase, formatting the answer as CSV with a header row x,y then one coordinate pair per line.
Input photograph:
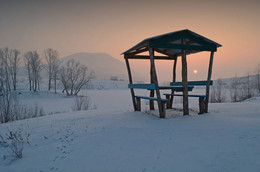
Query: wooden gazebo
x,y
171,46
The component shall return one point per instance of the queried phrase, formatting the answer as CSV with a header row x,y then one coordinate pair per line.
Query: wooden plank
x,y
160,104
185,81
192,83
144,57
167,39
165,52
150,98
175,88
208,81
183,47
199,40
187,52
141,50
190,95
130,82
142,86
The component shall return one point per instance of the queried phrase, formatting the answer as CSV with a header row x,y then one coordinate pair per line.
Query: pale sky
x,y
113,26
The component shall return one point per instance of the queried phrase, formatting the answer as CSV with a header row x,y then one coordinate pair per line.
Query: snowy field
x,y
112,137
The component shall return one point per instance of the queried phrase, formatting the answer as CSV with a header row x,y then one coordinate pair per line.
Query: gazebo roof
x,y
170,44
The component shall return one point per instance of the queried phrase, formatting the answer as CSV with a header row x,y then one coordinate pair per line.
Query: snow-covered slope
x,y
115,138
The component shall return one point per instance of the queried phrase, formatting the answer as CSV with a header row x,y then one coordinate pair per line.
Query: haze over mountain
x,y
103,65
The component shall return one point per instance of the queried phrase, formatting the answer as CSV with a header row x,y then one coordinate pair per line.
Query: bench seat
x,y
190,95
151,98
201,101
138,101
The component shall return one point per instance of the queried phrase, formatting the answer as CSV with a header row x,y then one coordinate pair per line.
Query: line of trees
x,y
72,75
237,89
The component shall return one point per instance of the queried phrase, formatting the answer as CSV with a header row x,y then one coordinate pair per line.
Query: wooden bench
x,y
138,101
190,84
142,86
201,100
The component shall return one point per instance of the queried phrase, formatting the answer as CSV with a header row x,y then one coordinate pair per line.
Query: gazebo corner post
x,y
131,82
151,91
173,80
185,81
161,105
208,81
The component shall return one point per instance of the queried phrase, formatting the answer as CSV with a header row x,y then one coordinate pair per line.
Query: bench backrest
x,y
192,83
142,86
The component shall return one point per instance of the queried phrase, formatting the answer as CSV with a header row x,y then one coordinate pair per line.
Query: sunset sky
x,y
113,26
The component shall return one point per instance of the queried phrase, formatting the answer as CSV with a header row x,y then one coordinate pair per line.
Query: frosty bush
x,y
218,94
15,141
11,109
81,103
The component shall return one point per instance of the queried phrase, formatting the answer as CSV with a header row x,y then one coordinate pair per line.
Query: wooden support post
x,y
159,100
138,104
130,82
208,81
151,91
185,82
169,105
201,105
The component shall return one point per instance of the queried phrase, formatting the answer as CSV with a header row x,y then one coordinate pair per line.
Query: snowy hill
x,y
115,138
104,65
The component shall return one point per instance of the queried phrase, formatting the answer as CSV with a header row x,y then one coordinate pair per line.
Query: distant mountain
x,y
103,65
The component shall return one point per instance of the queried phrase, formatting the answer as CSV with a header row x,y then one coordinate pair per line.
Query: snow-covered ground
x,y
112,137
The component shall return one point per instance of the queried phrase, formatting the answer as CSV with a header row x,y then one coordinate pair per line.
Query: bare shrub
x,y
15,141
9,106
11,109
81,103
217,93
235,91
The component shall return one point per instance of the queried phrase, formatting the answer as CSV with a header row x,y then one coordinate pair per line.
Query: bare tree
x,y
27,61
13,66
248,86
258,77
33,67
234,90
55,75
73,76
1,74
51,57
9,61
6,81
